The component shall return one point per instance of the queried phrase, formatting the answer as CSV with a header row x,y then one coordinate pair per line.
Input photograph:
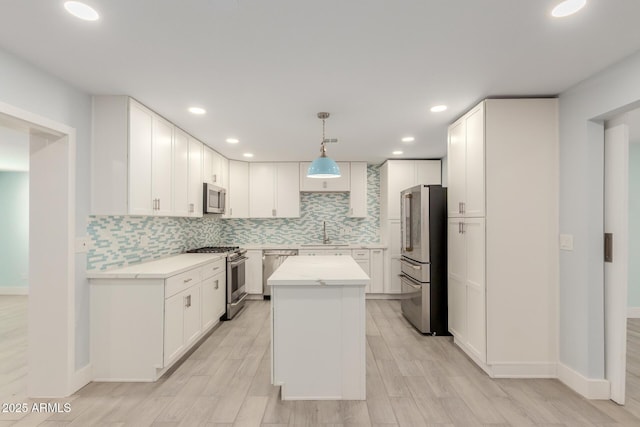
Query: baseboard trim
x,y
524,370
81,378
633,312
587,387
382,296
14,290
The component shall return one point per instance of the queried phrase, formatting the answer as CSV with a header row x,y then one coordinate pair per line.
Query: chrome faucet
x,y
325,238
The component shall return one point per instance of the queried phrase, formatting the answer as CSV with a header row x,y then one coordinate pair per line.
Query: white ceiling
x,y
263,69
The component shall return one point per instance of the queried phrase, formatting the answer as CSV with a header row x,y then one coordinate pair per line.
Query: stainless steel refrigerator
x,y
423,221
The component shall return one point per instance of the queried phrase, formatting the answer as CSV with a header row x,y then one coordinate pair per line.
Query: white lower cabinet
x,y
213,299
370,260
253,282
182,322
324,252
466,288
141,326
173,328
376,272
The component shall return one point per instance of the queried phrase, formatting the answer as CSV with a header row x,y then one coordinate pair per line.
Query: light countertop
x,y
313,247
319,270
157,269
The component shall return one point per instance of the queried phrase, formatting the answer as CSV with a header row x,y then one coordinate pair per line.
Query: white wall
x,y
582,109
633,298
25,86
14,232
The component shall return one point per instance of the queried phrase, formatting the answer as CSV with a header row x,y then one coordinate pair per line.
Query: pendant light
x,y
323,166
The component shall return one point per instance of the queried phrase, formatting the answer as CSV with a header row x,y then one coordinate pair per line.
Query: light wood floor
x,y
13,347
632,401
412,380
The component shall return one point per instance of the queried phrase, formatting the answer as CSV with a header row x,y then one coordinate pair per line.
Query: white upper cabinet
x,y
358,190
274,190
262,190
141,163
195,178
161,166
238,194
466,181
139,158
398,175
340,184
287,190
181,167
215,167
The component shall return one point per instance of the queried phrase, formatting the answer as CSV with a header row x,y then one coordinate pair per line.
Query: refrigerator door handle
x,y
406,230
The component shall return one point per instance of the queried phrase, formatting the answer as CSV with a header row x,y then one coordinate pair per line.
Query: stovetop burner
x,y
213,249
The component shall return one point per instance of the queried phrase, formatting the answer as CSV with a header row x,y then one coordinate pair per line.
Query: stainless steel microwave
x,y
214,199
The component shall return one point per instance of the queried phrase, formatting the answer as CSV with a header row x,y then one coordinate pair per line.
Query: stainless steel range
x,y
236,259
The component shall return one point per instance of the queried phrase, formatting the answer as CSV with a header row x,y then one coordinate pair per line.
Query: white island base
x,y
318,339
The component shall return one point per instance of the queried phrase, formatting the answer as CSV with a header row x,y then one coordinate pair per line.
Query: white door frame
x,y
51,302
616,221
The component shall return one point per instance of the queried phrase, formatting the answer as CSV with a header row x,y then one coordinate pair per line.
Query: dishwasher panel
x,y
271,260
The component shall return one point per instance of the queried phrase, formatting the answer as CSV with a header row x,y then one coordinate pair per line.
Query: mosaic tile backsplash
x,y
122,240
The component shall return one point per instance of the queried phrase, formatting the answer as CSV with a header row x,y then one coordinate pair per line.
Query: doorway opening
x,y
14,257
622,253
50,307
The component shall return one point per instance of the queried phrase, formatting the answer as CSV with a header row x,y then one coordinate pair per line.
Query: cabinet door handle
x,y
459,227
459,207
214,178
187,301
464,208
187,280
230,211
216,287
324,184
216,268
158,204
191,208
273,212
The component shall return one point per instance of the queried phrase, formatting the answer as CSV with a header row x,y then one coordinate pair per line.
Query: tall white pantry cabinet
x,y
503,232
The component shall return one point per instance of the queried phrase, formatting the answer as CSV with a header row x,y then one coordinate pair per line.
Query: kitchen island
x,y
318,328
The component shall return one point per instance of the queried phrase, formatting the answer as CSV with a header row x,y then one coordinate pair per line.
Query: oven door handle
x,y
239,301
239,261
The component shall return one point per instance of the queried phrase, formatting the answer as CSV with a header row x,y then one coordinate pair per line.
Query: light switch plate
x,y
566,242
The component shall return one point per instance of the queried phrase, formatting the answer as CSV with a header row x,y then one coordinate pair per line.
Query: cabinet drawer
x,y
179,282
360,254
339,252
213,268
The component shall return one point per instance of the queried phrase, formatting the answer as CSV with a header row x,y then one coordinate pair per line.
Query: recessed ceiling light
x,y
81,10
248,154
438,108
232,140
408,139
567,7
197,110
397,153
